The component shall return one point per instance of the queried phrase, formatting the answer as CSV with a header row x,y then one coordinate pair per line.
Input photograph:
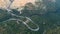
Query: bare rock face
x,y
4,4
13,4
20,3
